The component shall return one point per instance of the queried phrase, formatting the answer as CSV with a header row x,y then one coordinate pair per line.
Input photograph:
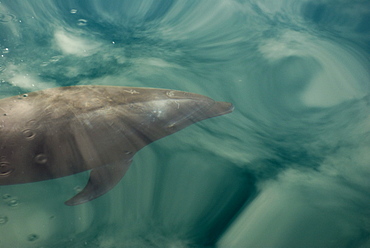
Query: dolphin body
x,y
62,131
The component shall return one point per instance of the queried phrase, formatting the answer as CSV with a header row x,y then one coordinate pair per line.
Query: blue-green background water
x,y
290,167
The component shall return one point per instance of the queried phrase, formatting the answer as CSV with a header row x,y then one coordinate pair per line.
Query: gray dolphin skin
x,y
63,131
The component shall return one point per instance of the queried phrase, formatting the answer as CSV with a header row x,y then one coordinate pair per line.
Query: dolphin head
x,y
186,108
170,111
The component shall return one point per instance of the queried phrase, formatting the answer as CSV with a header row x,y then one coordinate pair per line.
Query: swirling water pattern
x,y
290,166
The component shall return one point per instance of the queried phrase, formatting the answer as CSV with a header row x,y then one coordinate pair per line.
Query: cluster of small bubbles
x,y
53,59
81,22
32,237
73,11
170,93
3,219
9,200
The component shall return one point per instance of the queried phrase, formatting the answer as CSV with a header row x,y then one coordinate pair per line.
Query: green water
x,y
288,168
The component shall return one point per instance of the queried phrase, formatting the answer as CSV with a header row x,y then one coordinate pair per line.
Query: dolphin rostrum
x,y
62,131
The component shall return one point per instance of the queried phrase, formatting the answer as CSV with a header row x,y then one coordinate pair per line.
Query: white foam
x,y
75,45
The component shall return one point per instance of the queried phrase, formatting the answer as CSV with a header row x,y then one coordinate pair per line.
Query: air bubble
x,y
41,159
32,237
31,123
13,203
81,22
3,219
77,189
128,152
5,50
73,11
6,196
28,134
171,126
55,59
5,169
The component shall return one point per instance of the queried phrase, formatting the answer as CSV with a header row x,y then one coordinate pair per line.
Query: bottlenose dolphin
x,y
62,131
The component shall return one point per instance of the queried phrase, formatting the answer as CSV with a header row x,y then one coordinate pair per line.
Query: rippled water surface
x,y
290,167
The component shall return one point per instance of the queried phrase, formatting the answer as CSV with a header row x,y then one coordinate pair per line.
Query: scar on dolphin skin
x,y
63,131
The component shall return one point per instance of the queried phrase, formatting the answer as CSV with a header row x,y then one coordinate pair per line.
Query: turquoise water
x,y
289,167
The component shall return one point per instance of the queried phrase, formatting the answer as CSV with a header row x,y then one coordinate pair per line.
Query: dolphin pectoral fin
x,y
101,180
